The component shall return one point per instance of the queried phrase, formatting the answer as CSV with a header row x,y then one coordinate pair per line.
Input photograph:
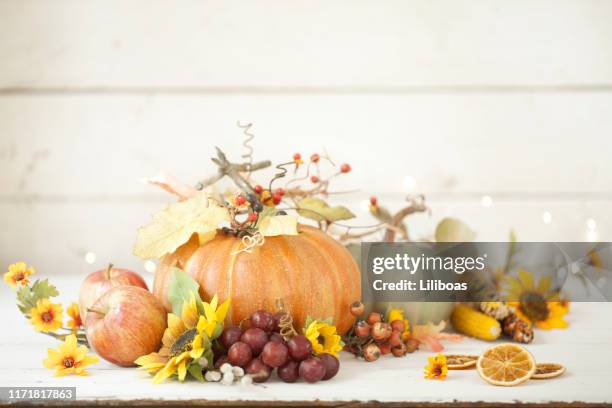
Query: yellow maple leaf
x,y
174,225
278,225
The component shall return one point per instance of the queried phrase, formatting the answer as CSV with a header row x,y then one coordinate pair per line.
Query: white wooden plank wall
x,y
511,100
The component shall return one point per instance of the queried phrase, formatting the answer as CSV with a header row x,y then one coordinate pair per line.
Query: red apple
x,y
125,323
98,283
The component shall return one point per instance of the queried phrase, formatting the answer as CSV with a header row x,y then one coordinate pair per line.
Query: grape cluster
x,y
260,348
372,337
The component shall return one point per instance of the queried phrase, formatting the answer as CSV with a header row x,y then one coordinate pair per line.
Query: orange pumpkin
x,y
311,272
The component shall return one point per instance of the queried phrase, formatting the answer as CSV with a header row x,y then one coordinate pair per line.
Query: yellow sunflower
x,y
69,358
536,302
18,274
323,338
185,340
75,316
398,314
436,367
46,316
214,316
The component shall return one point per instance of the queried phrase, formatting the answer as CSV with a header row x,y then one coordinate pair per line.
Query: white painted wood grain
x,y
303,44
55,237
92,145
583,349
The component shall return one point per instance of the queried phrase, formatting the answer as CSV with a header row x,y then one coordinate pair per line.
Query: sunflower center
x,y
19,277
183,343
68,362
47,316
321,339
437,370
534,306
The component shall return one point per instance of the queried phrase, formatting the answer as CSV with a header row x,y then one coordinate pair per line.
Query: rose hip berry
x,y
357,308
345,168
240,199
381,331
373,318
362,329
398,325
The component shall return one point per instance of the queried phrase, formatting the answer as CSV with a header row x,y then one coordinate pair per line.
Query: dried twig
x,y
233,171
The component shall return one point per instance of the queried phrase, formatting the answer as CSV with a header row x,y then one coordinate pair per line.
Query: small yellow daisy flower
x,y
18,274
436,367
46,316
75,316
69,358
323,338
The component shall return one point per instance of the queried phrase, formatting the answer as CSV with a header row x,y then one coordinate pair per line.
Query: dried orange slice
x,y
460,361
506,364
547,370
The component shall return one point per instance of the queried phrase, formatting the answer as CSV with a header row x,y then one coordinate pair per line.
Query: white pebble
x,y
246,380
203,362
226,368
237,371
228,379
212,376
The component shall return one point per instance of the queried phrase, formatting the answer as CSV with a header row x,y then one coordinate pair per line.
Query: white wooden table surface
x,y
584,349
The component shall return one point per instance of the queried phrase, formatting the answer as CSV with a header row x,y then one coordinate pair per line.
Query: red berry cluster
x,y
269,197
373,337
260,349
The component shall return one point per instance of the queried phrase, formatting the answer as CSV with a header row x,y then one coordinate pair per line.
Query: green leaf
x,y
210,357
42,289
28,297
196,371
318,210
24,300
180,289
329,320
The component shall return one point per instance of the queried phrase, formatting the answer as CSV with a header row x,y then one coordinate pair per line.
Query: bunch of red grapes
x,y
260,349
373,337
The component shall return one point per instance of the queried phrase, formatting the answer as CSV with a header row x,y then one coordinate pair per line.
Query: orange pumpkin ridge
x,y
311,272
